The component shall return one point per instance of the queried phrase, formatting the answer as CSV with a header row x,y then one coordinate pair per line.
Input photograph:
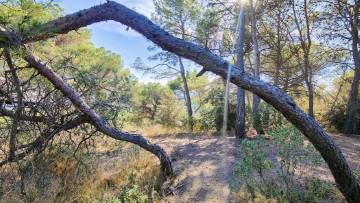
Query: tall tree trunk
x,y
309,83
277,117
306,46
183,77
256,99
240,113
307,61
187,95
311,98
350,125
278,47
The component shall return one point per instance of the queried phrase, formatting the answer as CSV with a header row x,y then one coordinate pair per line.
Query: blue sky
x,y
113,36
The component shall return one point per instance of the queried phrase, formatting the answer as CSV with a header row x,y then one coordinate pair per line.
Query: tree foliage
x,y
156,103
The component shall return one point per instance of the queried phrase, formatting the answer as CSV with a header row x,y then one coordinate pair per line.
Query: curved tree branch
x,y
92,116
99,123
22,117
272,95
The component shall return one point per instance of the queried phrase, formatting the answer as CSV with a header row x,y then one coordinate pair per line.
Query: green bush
x,y
131,192
335,117
283,177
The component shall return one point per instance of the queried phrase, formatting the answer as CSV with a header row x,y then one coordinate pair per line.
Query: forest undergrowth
x,y
279,167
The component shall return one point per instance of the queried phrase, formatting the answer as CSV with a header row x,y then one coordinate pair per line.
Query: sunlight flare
x,y
242,2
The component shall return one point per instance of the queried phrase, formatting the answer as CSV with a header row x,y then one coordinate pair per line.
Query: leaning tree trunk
x,y
240,113
98,122
94,118
331,153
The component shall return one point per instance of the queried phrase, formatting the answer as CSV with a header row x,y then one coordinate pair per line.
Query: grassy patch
x,y
98,175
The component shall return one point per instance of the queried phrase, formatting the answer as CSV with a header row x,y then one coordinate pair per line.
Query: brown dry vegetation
x,y
203,166
89,177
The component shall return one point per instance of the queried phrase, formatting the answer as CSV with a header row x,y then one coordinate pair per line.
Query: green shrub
x,y
336,116
131,192
283,177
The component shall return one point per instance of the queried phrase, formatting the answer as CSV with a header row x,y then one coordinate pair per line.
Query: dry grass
x,y
244,196
110,174
96,178
150,131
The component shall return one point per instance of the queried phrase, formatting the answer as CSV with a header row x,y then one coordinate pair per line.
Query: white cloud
x,y
144,7
112,26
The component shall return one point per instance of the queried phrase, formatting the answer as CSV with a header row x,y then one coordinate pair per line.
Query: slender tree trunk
x,y
186,88
311,99
256,99
187,95
309,84
306,46
350,125
277,117
278,48
307,61
240,114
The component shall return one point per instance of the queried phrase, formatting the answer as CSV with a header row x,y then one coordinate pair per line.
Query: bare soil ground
x,y
204,163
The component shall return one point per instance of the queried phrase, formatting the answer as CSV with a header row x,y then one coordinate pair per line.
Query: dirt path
x,y
203,167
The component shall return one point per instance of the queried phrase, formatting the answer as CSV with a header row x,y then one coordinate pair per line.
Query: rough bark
x,y
350,125
240,113
256,99
331,153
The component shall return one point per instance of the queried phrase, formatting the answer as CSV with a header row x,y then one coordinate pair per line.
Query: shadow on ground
x,y
203,164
